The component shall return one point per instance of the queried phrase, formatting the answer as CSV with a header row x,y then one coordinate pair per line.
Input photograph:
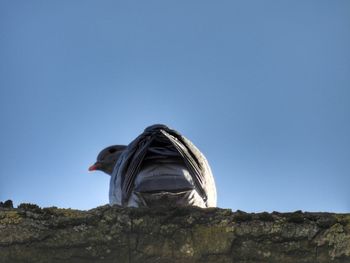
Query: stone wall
x,y
180,235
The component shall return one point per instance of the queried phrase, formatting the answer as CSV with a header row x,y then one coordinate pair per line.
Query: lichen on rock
x,y
179,235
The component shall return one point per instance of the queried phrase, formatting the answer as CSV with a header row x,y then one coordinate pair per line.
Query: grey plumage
x,y
160,167
107,159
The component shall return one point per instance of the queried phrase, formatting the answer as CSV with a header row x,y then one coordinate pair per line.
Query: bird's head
x,y
107,159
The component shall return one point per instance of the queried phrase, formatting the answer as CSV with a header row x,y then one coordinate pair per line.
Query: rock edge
x,y
116,234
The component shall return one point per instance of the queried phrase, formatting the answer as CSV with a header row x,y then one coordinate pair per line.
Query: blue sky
x,y
261,87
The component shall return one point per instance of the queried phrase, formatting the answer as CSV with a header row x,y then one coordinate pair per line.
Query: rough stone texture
x,y
115,234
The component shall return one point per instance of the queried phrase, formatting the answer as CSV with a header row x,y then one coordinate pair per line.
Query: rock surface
x,y
180,235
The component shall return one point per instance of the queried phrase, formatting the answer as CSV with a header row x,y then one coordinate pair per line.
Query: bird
x,y
158,168
107,159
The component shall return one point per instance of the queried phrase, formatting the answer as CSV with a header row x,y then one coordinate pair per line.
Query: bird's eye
x,y
112,150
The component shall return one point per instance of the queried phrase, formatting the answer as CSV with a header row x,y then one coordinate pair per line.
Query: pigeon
x,y
158,168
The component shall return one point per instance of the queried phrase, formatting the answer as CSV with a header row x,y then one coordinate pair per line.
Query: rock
x,y
6,204
28,206
176,235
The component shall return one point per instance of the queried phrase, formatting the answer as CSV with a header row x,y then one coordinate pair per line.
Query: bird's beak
x,y
94,167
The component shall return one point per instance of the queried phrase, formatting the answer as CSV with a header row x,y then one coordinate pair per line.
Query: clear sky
x,y
261,87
